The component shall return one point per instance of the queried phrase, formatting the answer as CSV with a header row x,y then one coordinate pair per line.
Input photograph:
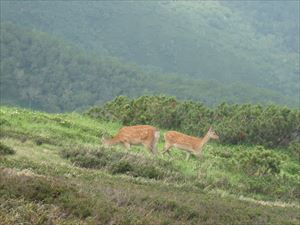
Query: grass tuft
x,y
6,150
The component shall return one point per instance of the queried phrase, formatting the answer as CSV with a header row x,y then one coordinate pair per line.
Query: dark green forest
x,y
42,72
278,19
207,51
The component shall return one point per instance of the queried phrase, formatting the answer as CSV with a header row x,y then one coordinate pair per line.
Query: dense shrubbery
x,y
261,171
257,162
270,125
294,148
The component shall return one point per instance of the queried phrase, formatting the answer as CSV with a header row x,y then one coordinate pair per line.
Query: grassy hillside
x,y
206,39
42,72
58,172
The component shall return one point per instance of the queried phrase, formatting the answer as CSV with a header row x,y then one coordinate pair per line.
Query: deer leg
x,y
153,149
148,146
154,142
127,145
166,148
188,154
200,156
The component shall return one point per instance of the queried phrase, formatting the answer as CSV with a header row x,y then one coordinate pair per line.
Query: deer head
x,y
104,141
212,134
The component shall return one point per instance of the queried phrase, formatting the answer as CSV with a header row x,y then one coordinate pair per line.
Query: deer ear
x,y
210,128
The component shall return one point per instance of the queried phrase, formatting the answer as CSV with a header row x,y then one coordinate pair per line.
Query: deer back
x,y
181,140
137,134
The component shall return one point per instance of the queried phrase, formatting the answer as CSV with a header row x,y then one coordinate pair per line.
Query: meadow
x,y
54,170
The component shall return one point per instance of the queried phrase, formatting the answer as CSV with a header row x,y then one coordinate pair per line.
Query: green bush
x,y
294,148
270,125
257,162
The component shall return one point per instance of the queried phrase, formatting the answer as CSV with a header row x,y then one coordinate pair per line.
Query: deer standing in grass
x,y
187,143
132,135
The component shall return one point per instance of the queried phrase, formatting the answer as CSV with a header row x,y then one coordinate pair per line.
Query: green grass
x,y
61,173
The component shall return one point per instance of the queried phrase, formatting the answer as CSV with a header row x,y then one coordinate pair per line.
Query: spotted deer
x,y
187,143
133,135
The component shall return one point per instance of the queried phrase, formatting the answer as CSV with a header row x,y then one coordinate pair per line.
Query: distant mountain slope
x,y
42,72
277,19
204,39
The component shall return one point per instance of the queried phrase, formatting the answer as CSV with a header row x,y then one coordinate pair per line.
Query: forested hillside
x,y
256,44
42,72
277,19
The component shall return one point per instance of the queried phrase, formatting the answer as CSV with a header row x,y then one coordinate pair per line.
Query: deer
x,y
133,135
187,143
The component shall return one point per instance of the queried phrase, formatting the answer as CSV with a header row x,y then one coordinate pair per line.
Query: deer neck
x,y
203,141
109,142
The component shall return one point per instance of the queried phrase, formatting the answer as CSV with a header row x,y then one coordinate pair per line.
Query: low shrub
x,y
122,167
117,162
6,150
175,210
48,190
294,149
131,167
257,162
